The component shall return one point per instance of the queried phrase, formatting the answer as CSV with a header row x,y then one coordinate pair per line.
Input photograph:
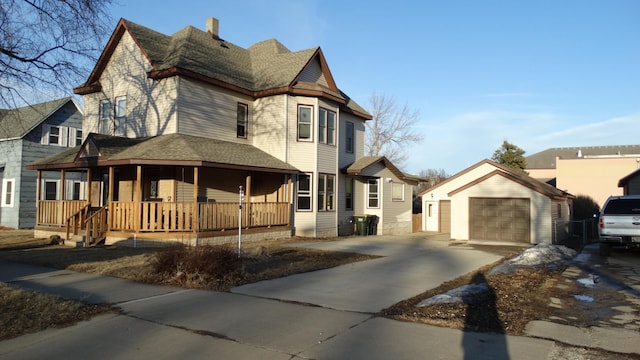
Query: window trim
x,y
8,196
44,189
349,137
75,136
120,115
104,118
394,183
328,201
304,193
377,194
245,124
326,128
310,123
348,193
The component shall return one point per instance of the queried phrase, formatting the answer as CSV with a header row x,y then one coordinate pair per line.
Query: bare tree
x,y
432,177
47,47
391,128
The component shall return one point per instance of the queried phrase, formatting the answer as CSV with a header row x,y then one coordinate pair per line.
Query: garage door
x,y
445,216
501,219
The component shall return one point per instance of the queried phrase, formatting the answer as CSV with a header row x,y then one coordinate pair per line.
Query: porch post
x,y
38,190
195,218
247,194
61,214
63,187
88,186
290,200
138,199
110,209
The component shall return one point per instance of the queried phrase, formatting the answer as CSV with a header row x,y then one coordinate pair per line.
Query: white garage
x,y
489,202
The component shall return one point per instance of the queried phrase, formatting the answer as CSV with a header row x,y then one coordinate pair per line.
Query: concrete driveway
x,y
408,266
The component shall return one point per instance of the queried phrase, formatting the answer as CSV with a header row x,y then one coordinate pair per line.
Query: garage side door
x,y
445,216
501,219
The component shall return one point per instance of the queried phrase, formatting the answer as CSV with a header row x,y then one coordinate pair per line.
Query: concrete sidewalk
x,y
409,265
163,322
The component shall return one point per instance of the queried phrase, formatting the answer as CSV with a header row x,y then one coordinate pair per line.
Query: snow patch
x,y
547,256
465,294
583,298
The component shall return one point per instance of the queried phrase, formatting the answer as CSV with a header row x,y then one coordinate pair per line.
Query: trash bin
x,y
372,224
361,224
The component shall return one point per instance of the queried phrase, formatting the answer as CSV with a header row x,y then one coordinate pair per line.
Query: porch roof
x,y
172,149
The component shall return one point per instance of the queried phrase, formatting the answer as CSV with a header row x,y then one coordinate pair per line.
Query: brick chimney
x,y
212,27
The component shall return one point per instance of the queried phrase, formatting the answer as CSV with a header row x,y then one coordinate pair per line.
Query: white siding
x,y
268,125
442,191
501,187
209,111
151,105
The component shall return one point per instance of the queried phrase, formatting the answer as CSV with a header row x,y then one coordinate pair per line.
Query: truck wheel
x,y
605,249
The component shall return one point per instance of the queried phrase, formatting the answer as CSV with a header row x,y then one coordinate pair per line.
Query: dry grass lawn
x,y
515,299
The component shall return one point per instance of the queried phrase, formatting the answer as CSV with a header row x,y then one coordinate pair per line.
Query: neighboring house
x,y
177,124
592,171
27,134
491,202
630,184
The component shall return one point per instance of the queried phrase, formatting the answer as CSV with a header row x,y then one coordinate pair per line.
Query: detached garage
x,y
490,202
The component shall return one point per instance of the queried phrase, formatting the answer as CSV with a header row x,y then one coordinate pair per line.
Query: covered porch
x,y
185,199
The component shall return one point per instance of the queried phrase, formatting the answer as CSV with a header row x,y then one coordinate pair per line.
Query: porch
x,y
120,220
165,188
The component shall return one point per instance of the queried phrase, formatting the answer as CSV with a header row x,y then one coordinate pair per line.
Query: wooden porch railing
x,y
76,221
160,216
96,226
57,212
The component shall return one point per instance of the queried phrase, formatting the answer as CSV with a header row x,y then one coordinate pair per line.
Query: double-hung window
x,y
105,117
56,135
304,192
77,138
349,137
241,120
305,122
326,127
120,116
8,193
373,193
326,192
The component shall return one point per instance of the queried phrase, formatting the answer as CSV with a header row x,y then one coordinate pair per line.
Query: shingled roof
x,y
172,149
264,69
16,123
547,159
361,165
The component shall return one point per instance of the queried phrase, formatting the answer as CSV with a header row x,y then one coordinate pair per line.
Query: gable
x,y
16,123
265,69
313,73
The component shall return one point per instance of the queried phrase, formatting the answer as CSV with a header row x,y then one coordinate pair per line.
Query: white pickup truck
x,y
620,223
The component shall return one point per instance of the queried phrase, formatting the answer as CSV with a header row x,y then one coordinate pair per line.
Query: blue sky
x,y
537,73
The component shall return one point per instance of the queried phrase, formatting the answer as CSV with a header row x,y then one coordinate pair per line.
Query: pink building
x,y
594,171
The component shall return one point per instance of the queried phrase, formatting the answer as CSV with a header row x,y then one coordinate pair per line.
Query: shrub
x,y
210,261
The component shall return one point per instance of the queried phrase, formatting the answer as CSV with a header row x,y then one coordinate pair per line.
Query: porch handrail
x,y
96,225
78,218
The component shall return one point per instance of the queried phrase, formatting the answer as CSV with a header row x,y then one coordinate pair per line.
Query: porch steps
x,y
79,240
